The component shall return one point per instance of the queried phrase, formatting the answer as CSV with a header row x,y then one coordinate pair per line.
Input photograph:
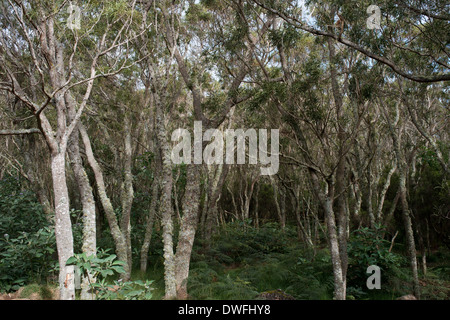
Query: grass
x,y
37,291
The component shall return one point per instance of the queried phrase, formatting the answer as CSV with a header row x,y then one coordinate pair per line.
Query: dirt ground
x,y
19,295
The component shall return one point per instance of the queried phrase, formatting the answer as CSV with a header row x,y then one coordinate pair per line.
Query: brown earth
x,y
33,296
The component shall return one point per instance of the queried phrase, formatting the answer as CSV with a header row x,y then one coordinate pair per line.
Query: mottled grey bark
x,y
187,230
384,191
166,208
127,191
63,227
369,198
406,215
257,206
89,246
118,237
341,178
213,199
410,242
327,205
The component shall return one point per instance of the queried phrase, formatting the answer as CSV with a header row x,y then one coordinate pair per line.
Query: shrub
x,y
27,257
367,247
99,268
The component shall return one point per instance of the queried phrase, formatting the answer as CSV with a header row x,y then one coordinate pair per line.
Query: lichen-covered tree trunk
x,y
63,226
188,228
403,197
166,207
213,198
326,201
384,191
89,246
118,237
127,191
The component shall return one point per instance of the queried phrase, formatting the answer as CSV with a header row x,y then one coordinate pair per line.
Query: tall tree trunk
x,y
166,207
187,230
326,201
257,206
127,191
341,172
402,168
212,212
410,243
63,226
369,198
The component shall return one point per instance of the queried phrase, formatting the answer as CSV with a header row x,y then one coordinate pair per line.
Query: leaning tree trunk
x,y
89,246
118,237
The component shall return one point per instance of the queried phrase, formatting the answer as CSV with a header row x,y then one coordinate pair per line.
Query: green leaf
x,y
71,261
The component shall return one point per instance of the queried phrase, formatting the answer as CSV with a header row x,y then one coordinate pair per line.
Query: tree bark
x,y
63,227
89,246
402,168
166,203
187,230
118,237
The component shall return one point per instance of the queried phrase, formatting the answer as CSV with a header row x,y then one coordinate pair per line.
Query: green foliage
x,y
27,257
27,242
130,290
245,261
19,209
96,266
368,247
100,267
205,283
239,241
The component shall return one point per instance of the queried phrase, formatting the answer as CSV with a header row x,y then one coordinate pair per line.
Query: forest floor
x,y
269,265
33,292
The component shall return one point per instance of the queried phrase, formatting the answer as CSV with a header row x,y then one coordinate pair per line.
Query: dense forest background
x,y
92,204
